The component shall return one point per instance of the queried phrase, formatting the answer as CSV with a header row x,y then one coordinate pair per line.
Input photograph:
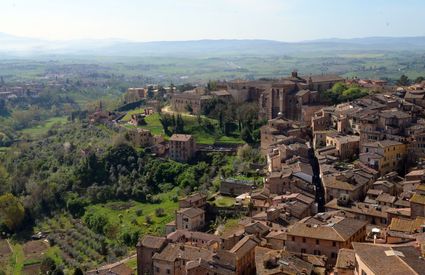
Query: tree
x,y
166,121
159,212
47,265
246,135
189,108
4,176
148,220
179,129
96,222
403,81
212,85
419,79
76,205
12,211
150,92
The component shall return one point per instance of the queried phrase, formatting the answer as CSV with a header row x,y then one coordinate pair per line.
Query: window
x,y
334,243
168,271
333,255
157,269
364,273
302,250
293,238
317,242
303,240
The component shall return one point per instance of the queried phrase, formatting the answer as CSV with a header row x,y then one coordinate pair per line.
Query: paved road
x,y
320,193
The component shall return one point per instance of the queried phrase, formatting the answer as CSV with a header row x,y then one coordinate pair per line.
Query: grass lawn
x,y
153,124
230,140
133,112
132,263
17,259
202,134
224,201
123,214
242,177
3,150
39,130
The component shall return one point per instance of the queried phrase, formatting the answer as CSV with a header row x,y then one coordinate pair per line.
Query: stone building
x,y
190,219
146,248
374,259
345,263
315,236
182,147
135,94
347,146
290,95
384,156
417,202
173,258
190,101
352,183
234,187
197,200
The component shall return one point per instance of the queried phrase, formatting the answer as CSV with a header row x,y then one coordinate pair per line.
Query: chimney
x,y
294,73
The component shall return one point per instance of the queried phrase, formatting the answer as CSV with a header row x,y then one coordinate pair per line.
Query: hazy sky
x,y
149,20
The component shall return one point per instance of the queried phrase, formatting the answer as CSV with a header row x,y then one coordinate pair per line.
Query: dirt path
x,y
167,110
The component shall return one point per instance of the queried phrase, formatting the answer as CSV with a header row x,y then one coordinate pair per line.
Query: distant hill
x,y
10,44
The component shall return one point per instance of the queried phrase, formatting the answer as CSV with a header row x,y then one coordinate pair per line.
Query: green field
x,y
224,201
133,112
124,214
18,261
42,129
201,134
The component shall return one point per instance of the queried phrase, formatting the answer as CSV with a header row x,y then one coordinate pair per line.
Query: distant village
x,y
343,191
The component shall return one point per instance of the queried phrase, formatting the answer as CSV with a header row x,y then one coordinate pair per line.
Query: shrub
x,y
149,220
96,222
139,212
160,212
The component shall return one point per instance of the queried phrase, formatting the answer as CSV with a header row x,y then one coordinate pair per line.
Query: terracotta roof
x,y
360,208
191,212
194,197
186,252
383,143
414,173
394,113
406,212
405,225
277,234
256,227
270,261
324,78
418,198
180,137
335,229
375,192
346,259
221,93
244,246
112,269
176,235
152,241
386,198
381,259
